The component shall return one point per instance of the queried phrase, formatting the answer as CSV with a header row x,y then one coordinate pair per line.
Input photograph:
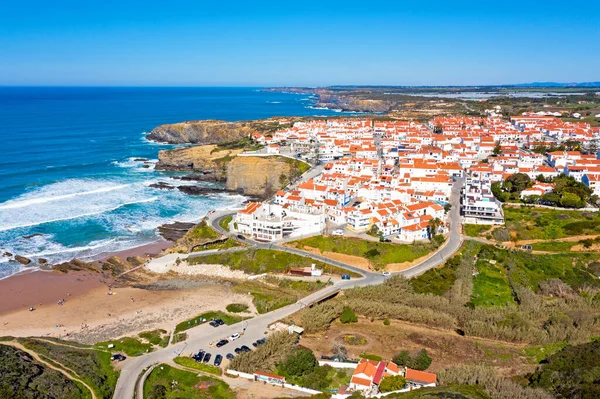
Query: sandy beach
x,y
95,307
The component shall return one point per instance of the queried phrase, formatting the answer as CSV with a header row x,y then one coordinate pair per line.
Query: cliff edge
x,y
262,176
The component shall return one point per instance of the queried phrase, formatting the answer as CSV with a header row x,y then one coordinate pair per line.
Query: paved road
x,y
202,336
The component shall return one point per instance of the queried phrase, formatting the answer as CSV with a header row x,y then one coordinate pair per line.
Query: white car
x,y
234,336
338,232
386,274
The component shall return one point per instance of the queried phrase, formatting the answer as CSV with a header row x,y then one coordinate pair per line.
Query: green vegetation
x,y
224,222
439,280
567,193
392,383
267,356
299,166
526,223
348,316
445,392
202,230
245,143
204,367
193,322
130,346
224,244
257,261
476,230
540,353
420,361
168,382
179,337
545,299
379,254
275,293
573,372
21,376
301,367
156,337
91,366
237,308
490,285
371,356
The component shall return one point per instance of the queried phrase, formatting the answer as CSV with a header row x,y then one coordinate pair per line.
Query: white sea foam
x,y
70,199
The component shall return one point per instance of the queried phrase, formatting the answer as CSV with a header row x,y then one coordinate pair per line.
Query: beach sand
x,y
89,314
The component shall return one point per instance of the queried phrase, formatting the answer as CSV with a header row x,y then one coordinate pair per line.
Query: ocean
x,y
70,185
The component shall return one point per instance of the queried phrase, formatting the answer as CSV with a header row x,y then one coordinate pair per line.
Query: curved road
x,y
202,336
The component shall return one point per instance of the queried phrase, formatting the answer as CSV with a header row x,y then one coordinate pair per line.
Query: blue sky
x,y
254,43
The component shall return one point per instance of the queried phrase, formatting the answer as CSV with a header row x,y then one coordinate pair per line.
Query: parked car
x,y
219,322
218,360
384,240
198,356
222,342
234,336
214,323
338,232
345,277
206,357
117,357
230,356
244,348
386,274
259,342
241,237
238,350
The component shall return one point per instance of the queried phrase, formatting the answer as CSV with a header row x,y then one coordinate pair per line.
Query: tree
x,y
402,358
570,200
392,383
542,179
447,207
497,150
348,316
317,379
421,361
498,193
437,129
550,199
299,362
518,181
434,225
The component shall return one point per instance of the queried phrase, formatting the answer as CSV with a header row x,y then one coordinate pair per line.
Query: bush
x,y
237,307
421,361
402,358
386,322
299,362
348,316
501,234
392,383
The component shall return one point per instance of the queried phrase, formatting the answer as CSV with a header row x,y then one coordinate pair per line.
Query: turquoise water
x,y
67,170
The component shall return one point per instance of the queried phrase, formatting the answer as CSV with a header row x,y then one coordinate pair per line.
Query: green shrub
x,y
348,316
386,322
237,307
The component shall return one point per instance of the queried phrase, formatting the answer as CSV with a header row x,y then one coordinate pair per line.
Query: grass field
x,y
156,337
193,322
476,230
237,308
130,346
379,254
257,261
204,367
92,366
276,293
168,382
490,286
224,223
530,269
527,223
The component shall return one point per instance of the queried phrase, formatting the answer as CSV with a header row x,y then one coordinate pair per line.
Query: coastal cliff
x,y
209,161
262,176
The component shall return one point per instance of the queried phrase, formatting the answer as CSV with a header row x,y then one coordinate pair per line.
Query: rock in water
x,y
22,260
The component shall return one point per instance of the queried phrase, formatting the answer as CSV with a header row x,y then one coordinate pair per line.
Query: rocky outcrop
x,y
201,132
261,176
209,162
22,260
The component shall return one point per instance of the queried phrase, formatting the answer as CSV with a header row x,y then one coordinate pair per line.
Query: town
x,y
393,179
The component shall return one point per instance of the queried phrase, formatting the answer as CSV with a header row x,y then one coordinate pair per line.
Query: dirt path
x,y
62,369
